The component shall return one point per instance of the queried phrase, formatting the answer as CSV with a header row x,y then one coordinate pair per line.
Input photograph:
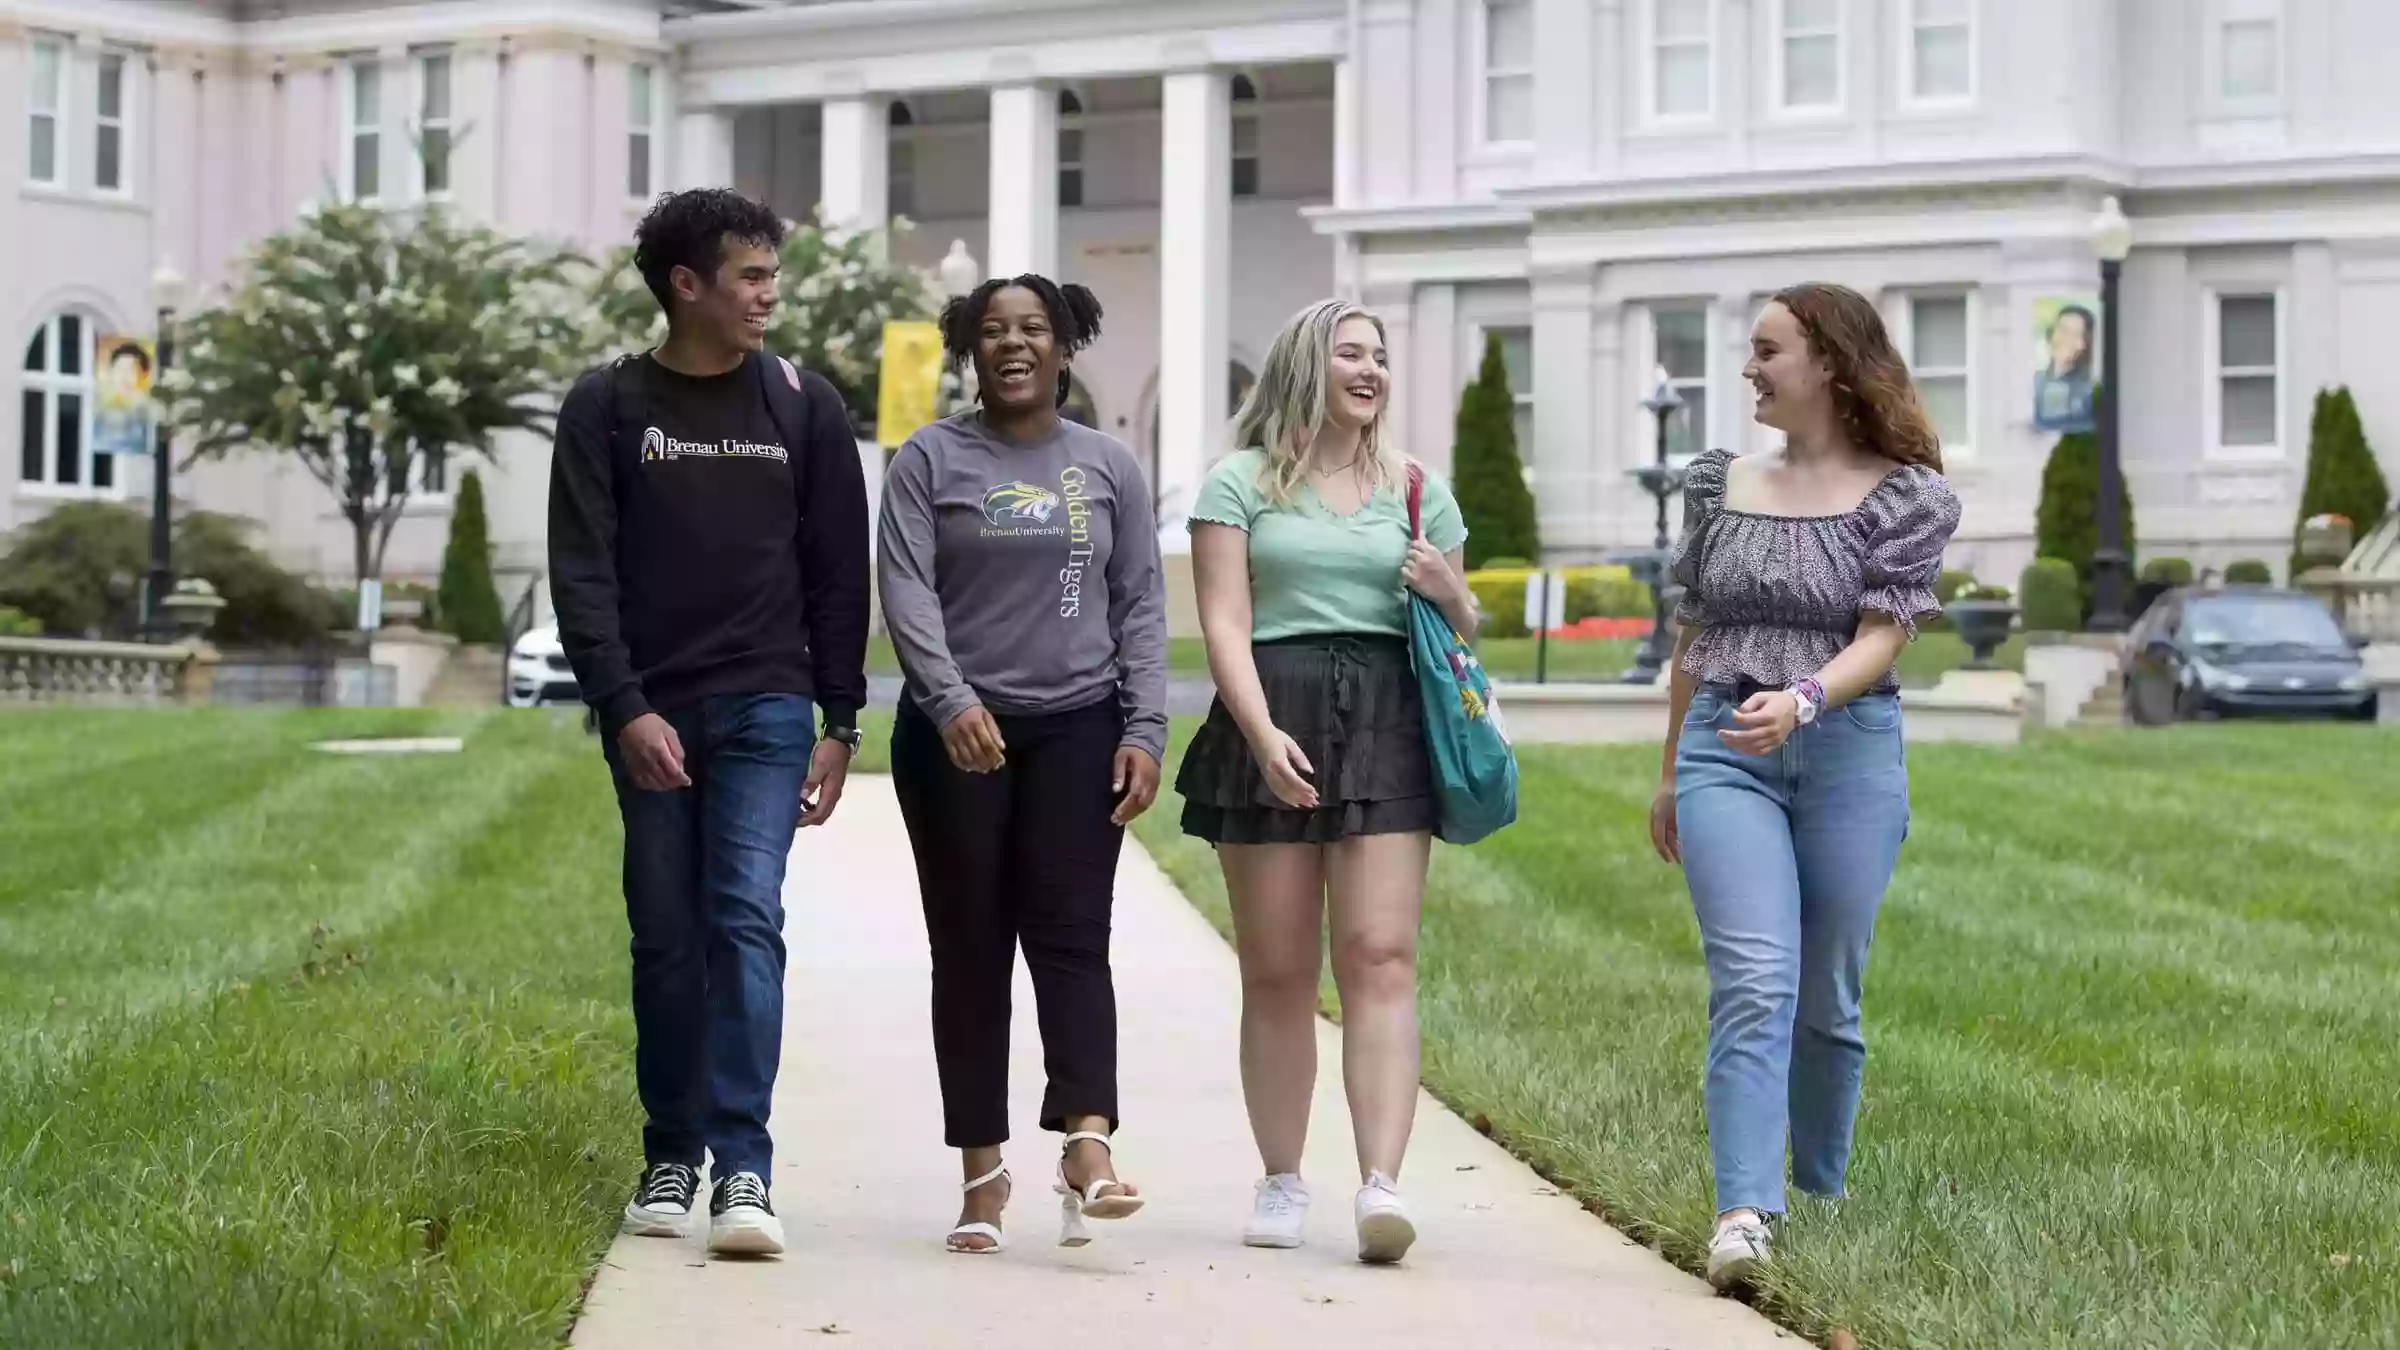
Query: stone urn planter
x,y
191,608
1983,624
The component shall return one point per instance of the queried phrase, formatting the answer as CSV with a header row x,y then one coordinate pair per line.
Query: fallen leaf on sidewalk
x,y
832,1329
1465,1167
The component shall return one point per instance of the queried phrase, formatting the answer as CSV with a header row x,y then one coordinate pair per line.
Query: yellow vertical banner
x,y
911,382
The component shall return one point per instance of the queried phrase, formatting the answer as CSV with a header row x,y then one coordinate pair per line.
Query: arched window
x,y
1245,136
1070,148
900,162
55,431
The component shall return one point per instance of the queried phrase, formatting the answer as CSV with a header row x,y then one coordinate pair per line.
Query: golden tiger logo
x,y
1019,503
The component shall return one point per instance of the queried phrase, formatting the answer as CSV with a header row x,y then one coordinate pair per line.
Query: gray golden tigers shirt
x,y
1025,576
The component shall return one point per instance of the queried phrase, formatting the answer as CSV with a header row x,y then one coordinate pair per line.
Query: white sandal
x,y
1104,1198
982,1230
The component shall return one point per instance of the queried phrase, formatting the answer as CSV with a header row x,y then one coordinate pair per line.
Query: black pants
x,y
1025,855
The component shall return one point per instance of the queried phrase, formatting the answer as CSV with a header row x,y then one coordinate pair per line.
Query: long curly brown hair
x,y
1872,392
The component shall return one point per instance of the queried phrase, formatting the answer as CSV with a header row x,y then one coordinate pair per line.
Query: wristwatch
x,y
846,737
1810,695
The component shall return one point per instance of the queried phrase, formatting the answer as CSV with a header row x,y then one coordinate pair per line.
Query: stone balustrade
x,y
65,670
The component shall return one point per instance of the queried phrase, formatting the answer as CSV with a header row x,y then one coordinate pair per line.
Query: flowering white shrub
x,y
362,342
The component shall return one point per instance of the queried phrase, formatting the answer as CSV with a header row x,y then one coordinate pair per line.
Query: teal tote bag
x,y
1474,771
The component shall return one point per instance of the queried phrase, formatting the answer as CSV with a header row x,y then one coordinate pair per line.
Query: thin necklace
x,y
1344,468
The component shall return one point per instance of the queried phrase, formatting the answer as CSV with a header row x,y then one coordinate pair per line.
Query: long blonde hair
x,y
1289,406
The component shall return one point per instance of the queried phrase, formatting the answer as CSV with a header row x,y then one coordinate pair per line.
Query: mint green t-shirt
x,y
1315,571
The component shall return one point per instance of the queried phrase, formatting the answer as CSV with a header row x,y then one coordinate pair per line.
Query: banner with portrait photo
x,y
122,412
2066,361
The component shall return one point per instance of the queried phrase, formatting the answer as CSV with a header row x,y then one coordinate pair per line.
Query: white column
x,y
1194,271
1024,196
1566,415
855,166
1346,132
703,149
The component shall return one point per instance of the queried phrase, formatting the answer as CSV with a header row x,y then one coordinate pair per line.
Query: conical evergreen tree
x,y
468,604
1485,470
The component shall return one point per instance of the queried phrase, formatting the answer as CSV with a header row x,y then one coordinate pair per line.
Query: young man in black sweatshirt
x,y
708,559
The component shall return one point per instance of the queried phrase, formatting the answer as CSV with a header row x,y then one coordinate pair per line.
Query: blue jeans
x,y
1787,855
704,894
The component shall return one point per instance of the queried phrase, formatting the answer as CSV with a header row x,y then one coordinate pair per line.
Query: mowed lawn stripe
x,y
2129,1079
424,1146
312,839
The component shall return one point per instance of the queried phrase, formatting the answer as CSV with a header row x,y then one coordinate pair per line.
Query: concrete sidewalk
x,y
867,1190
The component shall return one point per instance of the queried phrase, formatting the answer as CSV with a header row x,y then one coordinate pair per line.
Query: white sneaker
x,y
1385,1232
741,1220
1279,1213
1739,1248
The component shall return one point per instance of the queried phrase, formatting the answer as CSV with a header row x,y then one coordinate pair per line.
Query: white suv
x,y
538,672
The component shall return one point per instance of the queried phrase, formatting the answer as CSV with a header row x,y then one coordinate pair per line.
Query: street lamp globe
x,y
1663,398
168,289
2112,233
958,269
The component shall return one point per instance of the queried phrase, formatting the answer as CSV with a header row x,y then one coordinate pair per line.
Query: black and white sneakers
x,y
662,1203
741,1221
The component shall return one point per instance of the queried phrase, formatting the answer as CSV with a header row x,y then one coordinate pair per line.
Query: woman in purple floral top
x,y
1783,791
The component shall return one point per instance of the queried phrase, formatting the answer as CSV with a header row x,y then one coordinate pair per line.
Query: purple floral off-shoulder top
x,y
1776,597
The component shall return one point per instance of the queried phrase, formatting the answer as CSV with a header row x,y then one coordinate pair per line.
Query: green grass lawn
x,y
2131,1080
309,1051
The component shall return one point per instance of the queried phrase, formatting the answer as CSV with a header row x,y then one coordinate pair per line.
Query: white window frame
x,y
1779,38
2214,449
1485,75
1693,390
50,384
353,128
2223,14
900,158
1652,114
61,132
1909,96
1245,113
1075,164
1904,321
641,122
422,122
121,123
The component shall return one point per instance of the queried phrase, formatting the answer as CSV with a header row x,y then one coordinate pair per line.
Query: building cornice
x,y
184,39
809,52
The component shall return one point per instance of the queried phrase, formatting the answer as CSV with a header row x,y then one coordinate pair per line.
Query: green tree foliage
x,y
362,341
1486,473
2067,521
468,603
78,570
2343,477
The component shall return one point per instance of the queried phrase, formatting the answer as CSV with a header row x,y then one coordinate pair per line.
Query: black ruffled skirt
x,y
1351,703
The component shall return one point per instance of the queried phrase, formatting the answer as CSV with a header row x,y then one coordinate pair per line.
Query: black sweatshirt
x,y
699,554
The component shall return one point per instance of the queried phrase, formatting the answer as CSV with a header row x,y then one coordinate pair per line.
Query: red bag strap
x,y
1416,499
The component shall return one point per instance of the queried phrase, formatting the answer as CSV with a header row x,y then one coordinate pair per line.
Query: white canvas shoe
x,y
1740,1247
1385,1232
1278,1213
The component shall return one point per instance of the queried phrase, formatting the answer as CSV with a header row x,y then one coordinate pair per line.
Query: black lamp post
x,y
2112,239
1661,481
166,292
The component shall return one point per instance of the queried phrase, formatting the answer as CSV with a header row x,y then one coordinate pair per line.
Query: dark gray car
x,y
2242,650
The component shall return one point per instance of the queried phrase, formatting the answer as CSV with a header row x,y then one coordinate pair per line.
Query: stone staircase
x,y
469,679
2074,682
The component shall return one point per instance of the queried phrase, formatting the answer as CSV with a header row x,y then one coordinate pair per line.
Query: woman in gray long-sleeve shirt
x,y
1021,585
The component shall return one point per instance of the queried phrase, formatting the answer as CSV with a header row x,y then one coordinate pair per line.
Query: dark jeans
x,y
704,892
1026,855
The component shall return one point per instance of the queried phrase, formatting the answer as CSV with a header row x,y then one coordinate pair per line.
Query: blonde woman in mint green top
x,y
1311,774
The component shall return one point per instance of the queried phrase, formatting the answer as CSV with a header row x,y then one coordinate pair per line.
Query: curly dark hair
x,y
1074,315
689,229
1872,392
